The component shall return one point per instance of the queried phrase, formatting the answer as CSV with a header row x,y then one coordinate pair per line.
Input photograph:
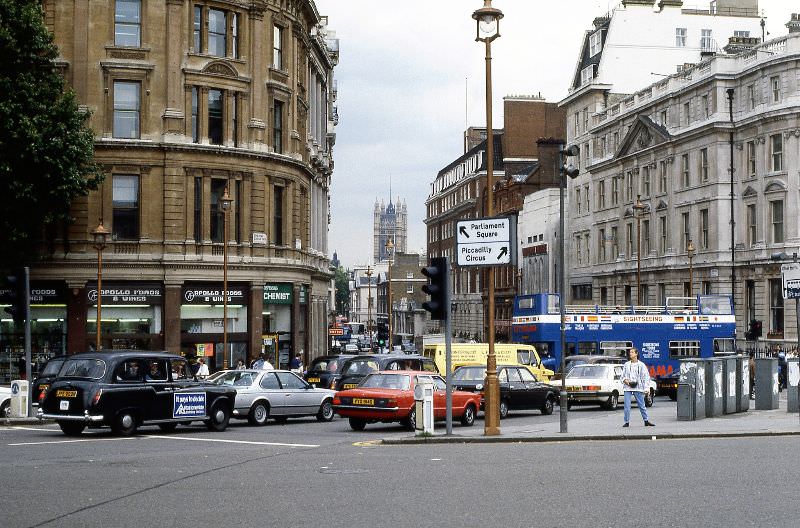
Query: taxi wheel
x,y
357,424
259,413
325,413
468,418
547,408
220,415
168,427
72,428
5,410
125,424
503,409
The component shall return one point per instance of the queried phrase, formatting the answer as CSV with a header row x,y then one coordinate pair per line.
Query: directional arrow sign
x,y
484,242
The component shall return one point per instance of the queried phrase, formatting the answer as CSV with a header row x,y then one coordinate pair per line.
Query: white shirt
x,y
267,365
202,372
636,372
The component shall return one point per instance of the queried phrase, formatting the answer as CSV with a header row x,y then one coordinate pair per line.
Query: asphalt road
x,y
308,473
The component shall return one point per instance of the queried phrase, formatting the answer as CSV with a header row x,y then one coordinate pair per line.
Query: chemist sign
x,y
485,241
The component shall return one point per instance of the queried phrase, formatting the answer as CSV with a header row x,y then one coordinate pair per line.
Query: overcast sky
x,y
411,78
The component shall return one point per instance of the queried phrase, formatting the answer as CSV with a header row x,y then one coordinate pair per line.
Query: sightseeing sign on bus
x,y
700,326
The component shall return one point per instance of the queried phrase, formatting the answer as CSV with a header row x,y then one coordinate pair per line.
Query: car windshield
x,y
385,381
52,367
324,365
236,378
588,371
361,367
83,368
469,374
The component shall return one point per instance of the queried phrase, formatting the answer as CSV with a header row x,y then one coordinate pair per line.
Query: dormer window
x,y
587,74
595,43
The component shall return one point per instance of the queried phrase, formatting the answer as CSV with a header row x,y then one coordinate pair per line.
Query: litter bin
x,y
713,387
793,379
729,386
742,383
766,384
19,399
693,375
423,401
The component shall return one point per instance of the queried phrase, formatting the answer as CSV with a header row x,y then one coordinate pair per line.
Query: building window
x,y
277,127
578,199
629,229
645,236
128,23
751,224
585,114
750,298
601,245
578,250
577,123
686,234
587,74
776,150
595,43
741,33
237,211
217,33
217,213
195,114
235,120
775,306
277,215
197,32
629,187
751,159
586,194
234,35
409,290
645,181
125,222
662,244
614,190
614,244
751,96
704,228
776,213
775,85
277,47
686,119
664,118
704,165
198,209
126,109
662,177
706,107
662,294
601,195
685,170
588,252
706,41
215,116
680,37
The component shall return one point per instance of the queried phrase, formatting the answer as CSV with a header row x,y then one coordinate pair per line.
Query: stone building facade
x,y
188,99
390,222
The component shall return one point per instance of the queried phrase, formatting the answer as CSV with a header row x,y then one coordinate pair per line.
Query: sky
x,y
411,78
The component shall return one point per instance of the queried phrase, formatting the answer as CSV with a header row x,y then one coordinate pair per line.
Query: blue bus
x,y
683,327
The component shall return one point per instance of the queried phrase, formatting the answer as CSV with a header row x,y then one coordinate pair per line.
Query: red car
x,y
388,396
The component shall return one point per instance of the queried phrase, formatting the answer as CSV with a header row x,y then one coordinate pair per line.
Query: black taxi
x,y
127,389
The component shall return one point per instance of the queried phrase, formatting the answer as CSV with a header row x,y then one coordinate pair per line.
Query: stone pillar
x,y
172,317
77,306
255,320
296,344
173,113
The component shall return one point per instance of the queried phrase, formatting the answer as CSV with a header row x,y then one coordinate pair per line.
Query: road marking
x,y
247,442
72,441
368,443
48,429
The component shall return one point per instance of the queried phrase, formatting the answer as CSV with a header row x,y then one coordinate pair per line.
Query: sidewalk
x,y
593,424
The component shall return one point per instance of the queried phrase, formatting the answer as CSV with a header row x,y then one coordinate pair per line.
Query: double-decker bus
x,y
683,327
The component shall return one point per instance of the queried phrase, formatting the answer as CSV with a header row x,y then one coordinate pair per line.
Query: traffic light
x,y
570,170
436,288
382,333
16,294
754,332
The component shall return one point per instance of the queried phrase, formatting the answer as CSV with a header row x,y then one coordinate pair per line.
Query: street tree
x,y
46,148
342,291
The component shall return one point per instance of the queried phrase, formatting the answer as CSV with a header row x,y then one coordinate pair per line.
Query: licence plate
x,y
66,394
573,389
350,385
63,405
363,401
313,380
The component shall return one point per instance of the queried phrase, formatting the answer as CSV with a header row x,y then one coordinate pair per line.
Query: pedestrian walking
x,y
240,364
202,372
636,380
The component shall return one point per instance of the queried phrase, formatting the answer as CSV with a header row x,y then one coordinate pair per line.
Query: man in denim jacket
x,y
636,380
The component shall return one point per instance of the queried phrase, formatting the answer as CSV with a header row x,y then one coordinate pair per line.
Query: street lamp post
x,y
638,209
488,29
226,202
690,254
100,238
389,254
369,305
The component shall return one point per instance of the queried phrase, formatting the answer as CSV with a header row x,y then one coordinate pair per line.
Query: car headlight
x,y
479,386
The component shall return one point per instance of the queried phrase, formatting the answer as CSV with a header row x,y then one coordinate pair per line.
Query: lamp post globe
x,y
487,21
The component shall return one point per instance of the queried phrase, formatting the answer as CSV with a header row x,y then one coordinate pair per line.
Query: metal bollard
x,y
766,384
713,387
729,386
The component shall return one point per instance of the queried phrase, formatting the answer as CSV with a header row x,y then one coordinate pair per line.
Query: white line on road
x,y
72,441
248,442
48,429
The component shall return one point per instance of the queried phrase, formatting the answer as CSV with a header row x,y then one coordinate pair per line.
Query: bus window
x,y
724,346
552,304
615,348
682,349
587,347
715,305
526,303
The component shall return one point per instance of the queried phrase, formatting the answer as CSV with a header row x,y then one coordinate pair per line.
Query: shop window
x,y
217,220
277,216
277,127
125,223
215,116
128,23
126,109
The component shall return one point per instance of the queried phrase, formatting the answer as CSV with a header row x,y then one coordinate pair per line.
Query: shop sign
x,y
212,294
280,293
204,349
126,293
46,292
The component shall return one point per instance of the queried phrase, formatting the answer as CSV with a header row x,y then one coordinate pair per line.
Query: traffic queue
x,y
125,390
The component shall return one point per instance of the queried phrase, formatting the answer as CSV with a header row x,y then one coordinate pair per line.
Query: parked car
x,y
5,402
598,383
355,369
127,389
583,359
519,389
42,382
388,396
351,348
325,370
278,394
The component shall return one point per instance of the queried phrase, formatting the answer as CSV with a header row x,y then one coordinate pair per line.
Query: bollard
x,y
713,387
729,386
792,389
766,384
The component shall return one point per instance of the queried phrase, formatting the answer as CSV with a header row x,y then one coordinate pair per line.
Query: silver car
x,y
278,394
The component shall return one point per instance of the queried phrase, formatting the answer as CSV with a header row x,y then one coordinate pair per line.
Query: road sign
x,y
485,242
790,273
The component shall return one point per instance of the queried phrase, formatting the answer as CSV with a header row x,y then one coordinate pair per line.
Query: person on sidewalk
x,y
636,380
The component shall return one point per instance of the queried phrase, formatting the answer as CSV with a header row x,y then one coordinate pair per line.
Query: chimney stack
x,y
794,23
739,44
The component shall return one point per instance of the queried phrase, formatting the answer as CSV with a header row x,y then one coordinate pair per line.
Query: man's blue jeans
x,y
639,401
